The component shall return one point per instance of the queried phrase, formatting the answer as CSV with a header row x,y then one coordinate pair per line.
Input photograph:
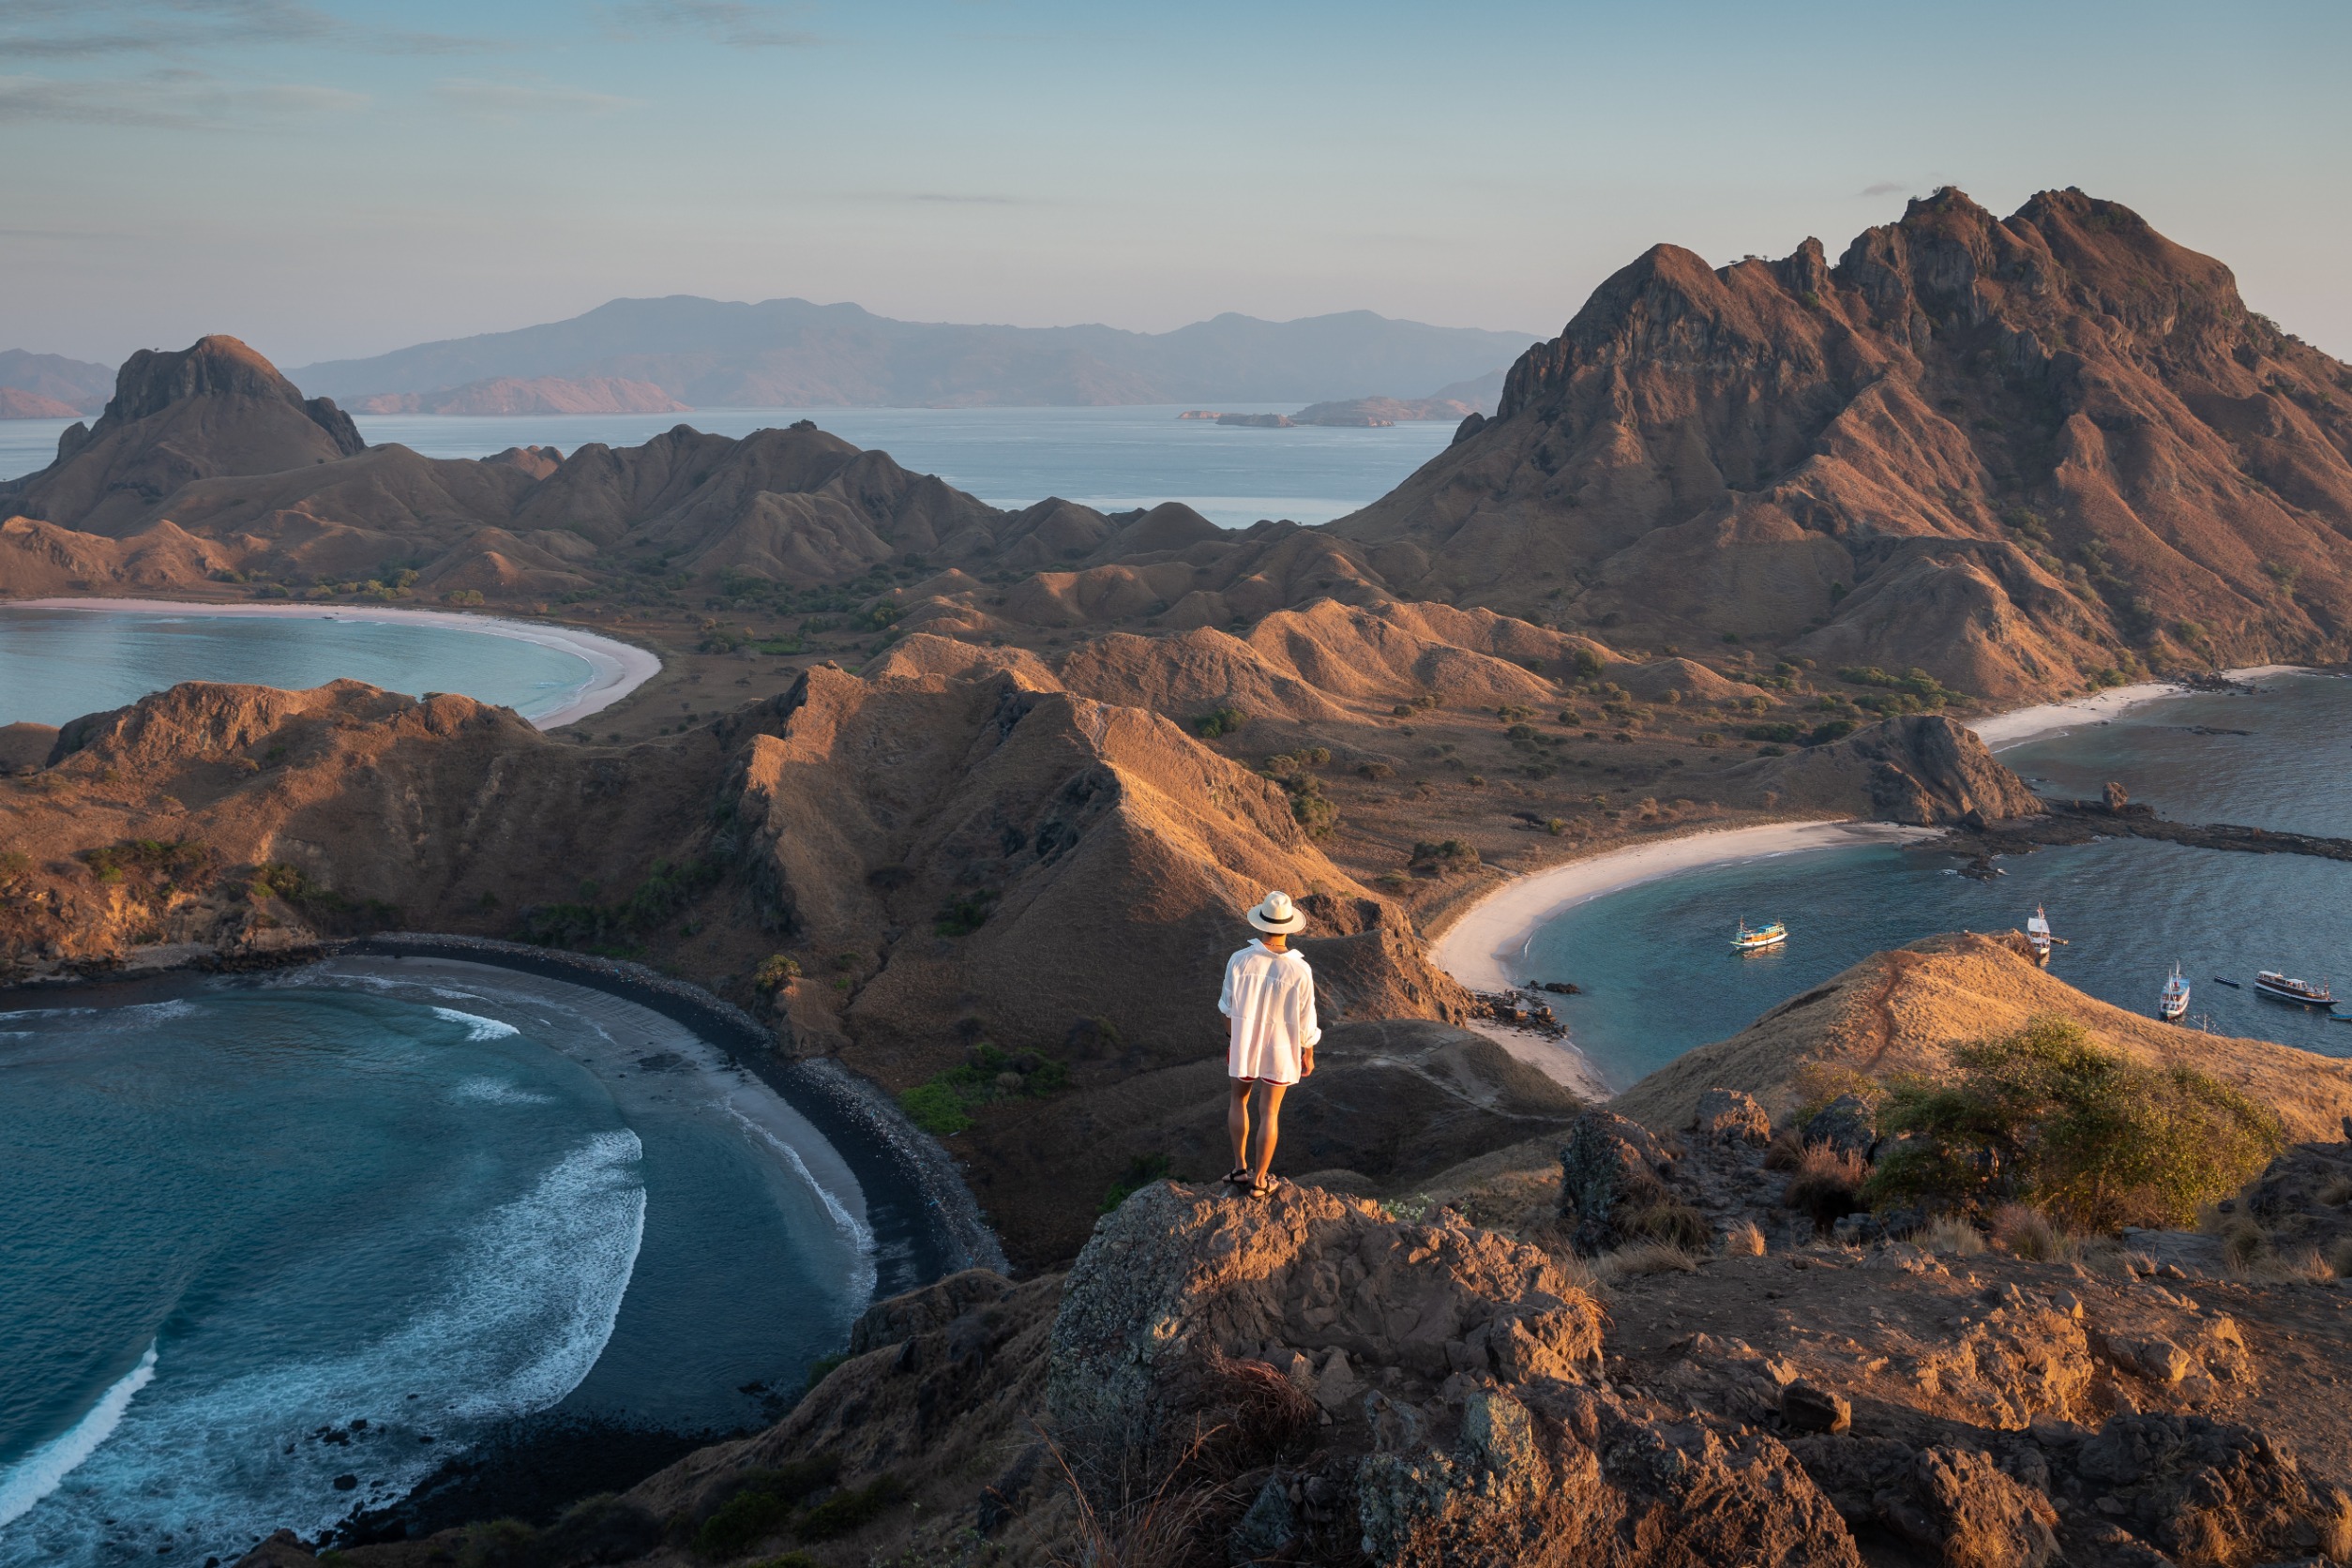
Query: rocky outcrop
x,y
2006,451
214,410
1922,770
1901,1012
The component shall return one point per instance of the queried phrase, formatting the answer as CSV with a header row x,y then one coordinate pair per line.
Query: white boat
x,y
1755,939
2038,933
2175,999
2307,993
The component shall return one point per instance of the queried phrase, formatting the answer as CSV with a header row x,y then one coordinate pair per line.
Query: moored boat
x,y
2175,998
2038,933
1756,939
2303,993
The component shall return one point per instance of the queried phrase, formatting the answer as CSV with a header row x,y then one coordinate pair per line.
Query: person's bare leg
x,y
1237,1122
1269,1129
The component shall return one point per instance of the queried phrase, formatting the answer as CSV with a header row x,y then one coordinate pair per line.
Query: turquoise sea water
x,y
60,664
1661,978
1109,458
262,1235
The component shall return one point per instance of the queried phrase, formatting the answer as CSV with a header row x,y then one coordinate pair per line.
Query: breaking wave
x,y
44,1471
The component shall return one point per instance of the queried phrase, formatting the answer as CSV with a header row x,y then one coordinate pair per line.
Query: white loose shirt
x,y
1270,997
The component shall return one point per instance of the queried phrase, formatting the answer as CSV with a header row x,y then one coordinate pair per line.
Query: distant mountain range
x,y
792,353
51,386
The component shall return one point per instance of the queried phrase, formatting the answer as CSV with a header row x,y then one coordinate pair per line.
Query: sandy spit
x,y
616,668
1485,946
1999,731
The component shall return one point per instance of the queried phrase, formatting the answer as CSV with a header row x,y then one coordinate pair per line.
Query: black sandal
x,y
1237,1177
1261,1191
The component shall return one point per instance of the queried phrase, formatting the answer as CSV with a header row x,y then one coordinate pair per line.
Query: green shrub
x,y
776,973
965,914
846,1511
935,1108
1222,722
741,1522
761,1505
1585,664
1780,735
500,1543
2046,1118
1141,1172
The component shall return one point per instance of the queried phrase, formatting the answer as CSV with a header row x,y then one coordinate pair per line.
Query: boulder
x,y
1732,1116
1963,1510
1810,1407
1847,1125
1608,1168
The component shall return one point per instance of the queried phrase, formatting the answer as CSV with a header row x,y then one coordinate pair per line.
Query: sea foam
x,y
477,1027
41,1471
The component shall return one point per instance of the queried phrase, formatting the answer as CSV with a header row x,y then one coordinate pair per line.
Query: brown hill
x,y
2010,451
215,409
948,856
532,395
1903,1011
16,403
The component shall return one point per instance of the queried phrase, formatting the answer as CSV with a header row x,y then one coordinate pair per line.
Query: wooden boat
x,y
2175,998
2038,933
2303,993
1757,938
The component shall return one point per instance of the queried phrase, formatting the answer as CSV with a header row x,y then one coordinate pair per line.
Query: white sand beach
x,y
616,668
1486,943
1999,731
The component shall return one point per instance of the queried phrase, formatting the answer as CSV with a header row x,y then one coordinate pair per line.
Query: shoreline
x,y
1483,945
923,1221
615,668
2016,726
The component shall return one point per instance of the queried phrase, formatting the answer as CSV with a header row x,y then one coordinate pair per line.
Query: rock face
x,y
1921,769
1475,1438
2000,449
212,411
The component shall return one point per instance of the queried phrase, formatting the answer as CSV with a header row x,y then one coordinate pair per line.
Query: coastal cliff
x,y
1455,1376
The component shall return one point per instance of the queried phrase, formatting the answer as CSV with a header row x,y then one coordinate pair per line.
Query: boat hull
x,y
2294,997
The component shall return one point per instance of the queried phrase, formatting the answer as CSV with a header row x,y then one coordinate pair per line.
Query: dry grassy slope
x,y
1112,850
1707,450
425,807
1902,1011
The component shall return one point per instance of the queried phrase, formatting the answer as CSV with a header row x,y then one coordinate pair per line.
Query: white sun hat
x,y
1277,914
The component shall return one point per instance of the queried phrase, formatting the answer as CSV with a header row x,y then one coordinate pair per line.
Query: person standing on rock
x,y
1269,996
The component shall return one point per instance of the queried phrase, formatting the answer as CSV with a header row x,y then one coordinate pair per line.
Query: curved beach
x,y
615,668
2001,730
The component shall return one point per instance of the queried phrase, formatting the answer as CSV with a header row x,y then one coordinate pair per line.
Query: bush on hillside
x,y
2046,1118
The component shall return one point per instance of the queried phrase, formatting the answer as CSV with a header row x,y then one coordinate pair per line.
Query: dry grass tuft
x,y
1744,1240
2340,1258
2029,1233
1159,1529
1785,1153
1825,1184
1646,1257
2337,1192
1674,1223
1950,1233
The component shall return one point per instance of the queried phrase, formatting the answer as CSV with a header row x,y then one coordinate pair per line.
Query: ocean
x,y
60,664
1660,977
1108,458
276,1247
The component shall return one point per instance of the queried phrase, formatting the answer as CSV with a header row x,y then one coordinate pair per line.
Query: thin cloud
x,y
512,99
168,100
91,29
737,23
1884,187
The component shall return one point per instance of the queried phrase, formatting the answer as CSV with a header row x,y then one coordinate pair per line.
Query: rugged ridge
x,y
2010,451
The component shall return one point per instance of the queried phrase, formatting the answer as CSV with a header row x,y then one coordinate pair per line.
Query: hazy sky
x,y
328,180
